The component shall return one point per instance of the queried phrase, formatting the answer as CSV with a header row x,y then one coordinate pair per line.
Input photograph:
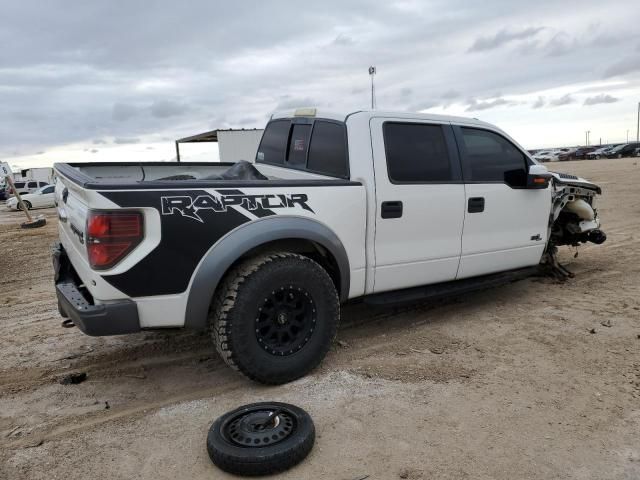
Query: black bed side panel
x,y
185,240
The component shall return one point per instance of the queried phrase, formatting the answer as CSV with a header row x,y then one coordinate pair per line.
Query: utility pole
x,y
627,135
586,136
638,128
372,72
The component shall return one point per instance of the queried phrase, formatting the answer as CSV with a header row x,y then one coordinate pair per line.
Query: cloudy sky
x,y
119,80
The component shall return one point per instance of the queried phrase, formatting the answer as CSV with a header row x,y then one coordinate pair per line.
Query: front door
x,y
505,224
420,203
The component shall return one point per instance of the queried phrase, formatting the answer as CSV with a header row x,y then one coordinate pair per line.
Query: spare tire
x,y
261,438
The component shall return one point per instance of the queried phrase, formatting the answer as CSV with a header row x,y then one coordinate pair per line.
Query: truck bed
x,y
156,175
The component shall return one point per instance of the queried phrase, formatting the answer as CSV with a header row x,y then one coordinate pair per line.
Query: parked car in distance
x,y
581,152
546,156
44,197
25,187
599,152
623,150
637,152
566,154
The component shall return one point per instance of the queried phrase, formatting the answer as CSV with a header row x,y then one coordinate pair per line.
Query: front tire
x,y
274,317
26,204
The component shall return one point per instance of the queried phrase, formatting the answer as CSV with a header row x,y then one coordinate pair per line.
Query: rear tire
x,y
274,317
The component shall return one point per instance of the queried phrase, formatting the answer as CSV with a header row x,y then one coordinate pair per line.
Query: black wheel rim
x,y
286,320
259,427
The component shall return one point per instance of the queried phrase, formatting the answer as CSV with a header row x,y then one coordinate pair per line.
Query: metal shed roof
x,y
211,136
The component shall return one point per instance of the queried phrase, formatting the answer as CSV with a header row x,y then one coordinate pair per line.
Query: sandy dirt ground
x,y
536,379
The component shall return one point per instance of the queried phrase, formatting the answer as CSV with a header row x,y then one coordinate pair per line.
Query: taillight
x,y
111,236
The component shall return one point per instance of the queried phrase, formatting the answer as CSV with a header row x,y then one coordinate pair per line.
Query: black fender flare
x,y
234,245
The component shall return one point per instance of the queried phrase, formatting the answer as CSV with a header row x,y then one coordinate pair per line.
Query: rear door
x,y
419,203
505,224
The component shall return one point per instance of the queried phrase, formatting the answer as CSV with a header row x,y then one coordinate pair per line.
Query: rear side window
x,y
328,152
416,153
492,158
32,185
48,189
297,155
42,184
273,145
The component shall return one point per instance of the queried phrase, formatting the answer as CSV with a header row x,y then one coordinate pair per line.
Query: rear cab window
x,y
309,144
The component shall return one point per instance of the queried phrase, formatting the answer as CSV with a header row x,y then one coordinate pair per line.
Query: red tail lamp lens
x,y
111,236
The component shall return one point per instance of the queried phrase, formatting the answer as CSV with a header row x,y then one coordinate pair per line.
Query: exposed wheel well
x,y
302,246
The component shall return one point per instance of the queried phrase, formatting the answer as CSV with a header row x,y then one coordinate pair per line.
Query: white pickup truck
x,y
388,207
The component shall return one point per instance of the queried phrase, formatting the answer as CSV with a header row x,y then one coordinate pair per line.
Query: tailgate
x,y
72,213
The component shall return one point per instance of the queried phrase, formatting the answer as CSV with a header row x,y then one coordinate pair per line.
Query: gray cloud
x,y
623,67
94,150
425,105
287,102
475,105
168,108
343,40
122,112
564,100
502,38
450,95
99,71
560,44
99,141
602,98
125,140
406,92
539,103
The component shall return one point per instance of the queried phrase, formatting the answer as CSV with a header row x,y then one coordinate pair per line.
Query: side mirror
x,y
538,177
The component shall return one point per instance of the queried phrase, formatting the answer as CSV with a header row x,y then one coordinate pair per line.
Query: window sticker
x,y
298,145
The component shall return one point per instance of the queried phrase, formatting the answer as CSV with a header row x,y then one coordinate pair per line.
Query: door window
x,y
492,158
416,153
48,189
32,185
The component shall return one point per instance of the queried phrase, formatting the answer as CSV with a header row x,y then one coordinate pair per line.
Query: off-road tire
x,y
236,305
261,459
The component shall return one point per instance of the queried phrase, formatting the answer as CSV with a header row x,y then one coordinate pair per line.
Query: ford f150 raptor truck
x,y
385,206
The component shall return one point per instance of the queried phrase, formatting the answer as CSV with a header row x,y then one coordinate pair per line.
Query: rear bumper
x,y
77,304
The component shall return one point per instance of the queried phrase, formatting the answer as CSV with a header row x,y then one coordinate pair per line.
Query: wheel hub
x,y
258,428
286,320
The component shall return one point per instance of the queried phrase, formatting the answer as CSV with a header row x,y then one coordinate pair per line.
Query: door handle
x,y
475,205
391,209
